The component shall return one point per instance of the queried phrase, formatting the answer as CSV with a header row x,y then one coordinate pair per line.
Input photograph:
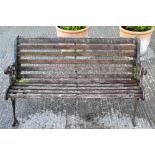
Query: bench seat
x,y
107,89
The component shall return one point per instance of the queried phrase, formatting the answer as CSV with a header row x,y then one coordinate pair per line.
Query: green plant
x,y
138,28
71,27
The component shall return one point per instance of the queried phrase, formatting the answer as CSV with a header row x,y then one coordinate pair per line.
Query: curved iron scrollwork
x,y
11,71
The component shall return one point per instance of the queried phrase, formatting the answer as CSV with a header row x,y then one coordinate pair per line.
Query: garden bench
x,y
76,68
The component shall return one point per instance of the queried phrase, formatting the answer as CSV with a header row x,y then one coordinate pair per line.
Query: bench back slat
x,y
89,76
78,47
76,59
128,53
78,68
73,81
23,40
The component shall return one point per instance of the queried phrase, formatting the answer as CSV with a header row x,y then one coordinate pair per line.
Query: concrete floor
x,y
69,113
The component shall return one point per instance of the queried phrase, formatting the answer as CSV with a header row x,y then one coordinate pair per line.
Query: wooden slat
x,y
74,61
78,68
126,96
82,91
78,40
90,76
73,88
81,81
79,46
129,53
115,85
138,58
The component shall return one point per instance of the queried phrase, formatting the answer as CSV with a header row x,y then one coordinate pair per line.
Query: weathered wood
x,y
78,68
75,61
78,40
138,57
79,47
115,85
73,88
103,96
81,81
90,76
86,68
81,91
76,83
18,64
129,53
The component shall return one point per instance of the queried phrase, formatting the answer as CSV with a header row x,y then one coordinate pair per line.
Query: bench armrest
x,y
141,71
11,71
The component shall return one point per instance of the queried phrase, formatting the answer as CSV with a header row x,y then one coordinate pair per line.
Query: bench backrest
x,y
84,59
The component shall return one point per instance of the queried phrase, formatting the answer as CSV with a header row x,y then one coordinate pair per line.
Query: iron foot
x,y
15,123
133,122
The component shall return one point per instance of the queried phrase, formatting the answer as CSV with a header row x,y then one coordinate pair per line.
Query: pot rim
x,y
72,31
136,32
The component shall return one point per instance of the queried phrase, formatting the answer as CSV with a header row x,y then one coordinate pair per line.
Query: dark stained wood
x,y
90,76
16,56
79,46
78,40
74,61
129,53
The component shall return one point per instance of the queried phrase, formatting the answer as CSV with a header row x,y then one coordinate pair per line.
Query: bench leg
x,y
134,113
15,122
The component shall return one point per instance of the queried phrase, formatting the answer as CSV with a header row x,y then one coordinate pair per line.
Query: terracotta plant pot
x,y
72,33
145,37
